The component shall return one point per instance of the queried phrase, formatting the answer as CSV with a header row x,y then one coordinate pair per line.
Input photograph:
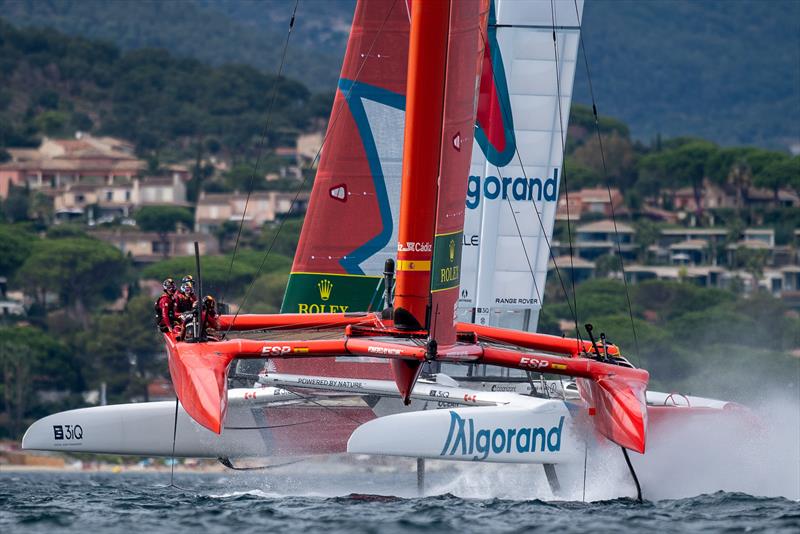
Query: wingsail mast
x,y
444,53
427,60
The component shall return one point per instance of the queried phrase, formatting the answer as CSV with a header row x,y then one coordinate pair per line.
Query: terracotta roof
x,y
605,226
565,262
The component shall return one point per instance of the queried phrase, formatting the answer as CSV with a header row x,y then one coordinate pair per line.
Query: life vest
x,y
184,302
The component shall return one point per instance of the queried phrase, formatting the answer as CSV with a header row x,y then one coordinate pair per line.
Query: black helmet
x,y
169,285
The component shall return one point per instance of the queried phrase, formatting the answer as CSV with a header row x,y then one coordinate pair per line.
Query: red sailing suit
x,y
165,311
210,319
184,302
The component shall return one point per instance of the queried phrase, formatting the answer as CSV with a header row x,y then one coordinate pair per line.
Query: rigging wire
x,y
311,164
331,409
585,459
564,169
507,117
261,144
608,188
524,248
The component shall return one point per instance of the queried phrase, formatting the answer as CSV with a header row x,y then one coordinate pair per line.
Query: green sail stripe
x,y
332,293
446,270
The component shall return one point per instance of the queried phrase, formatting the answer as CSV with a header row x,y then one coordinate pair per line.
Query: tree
x,y
15,247
219,277
243,178
752,260
225,231
163,220
647,233
688,164
673,299
23,351
267,293
780,172
607,264
17,203
52,122
123,350
618,157
284,243
81,271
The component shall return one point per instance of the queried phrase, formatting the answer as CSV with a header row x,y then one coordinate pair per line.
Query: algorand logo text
x,y
464,440
492,187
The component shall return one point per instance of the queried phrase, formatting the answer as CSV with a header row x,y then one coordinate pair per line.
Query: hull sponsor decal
x,y
463,439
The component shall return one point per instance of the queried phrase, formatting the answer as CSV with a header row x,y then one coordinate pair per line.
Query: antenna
x,y
589,329
199,334
388,282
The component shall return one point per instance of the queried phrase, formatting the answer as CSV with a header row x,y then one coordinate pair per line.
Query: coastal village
x,y
99,183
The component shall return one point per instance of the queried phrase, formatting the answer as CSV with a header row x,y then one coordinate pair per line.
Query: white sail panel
x,y
513,190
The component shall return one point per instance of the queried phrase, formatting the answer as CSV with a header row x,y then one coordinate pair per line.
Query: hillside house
x,y
590,201
119,199
214,209
146,247
601,238
91,171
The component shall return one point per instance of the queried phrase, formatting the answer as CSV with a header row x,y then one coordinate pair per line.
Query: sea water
x,y
362,502
695,478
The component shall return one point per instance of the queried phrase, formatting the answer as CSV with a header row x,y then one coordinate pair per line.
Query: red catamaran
x,y
422,115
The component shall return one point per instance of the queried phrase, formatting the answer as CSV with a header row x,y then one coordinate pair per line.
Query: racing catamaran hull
x,y
261,422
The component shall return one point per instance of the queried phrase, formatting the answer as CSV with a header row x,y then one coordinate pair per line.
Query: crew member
x,y
165,307
210,315
185,299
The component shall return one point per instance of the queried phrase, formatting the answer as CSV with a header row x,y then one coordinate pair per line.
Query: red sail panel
x,y
468,19
349,229
350,226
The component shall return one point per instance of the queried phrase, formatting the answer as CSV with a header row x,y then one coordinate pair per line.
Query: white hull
x,y
445,422
146,429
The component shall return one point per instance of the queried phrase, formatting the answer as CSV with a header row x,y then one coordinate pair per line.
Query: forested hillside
x,y
721,70
54,85
728,71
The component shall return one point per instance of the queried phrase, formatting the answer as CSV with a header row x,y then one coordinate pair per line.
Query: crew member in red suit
x,y
210,315
185,299
165,307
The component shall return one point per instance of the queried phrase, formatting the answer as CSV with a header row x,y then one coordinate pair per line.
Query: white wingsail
x,y
516,173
